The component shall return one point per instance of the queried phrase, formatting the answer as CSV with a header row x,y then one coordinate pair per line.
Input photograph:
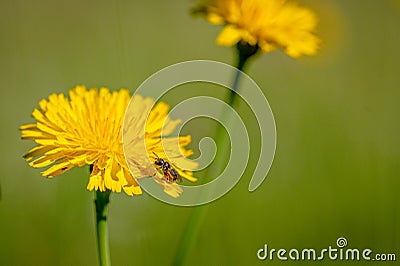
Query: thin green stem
x,y
245,51
240,67
101,200
192,229
101,203
190,235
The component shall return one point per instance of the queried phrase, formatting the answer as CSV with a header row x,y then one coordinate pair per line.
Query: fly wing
x,y
176,175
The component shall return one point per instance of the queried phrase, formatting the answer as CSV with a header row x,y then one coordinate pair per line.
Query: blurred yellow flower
x,y
268,24
87,129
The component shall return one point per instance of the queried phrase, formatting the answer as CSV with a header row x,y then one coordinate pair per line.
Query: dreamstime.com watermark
x,y
339,252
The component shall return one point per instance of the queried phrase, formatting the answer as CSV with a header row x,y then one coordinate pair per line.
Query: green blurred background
x,y
336,171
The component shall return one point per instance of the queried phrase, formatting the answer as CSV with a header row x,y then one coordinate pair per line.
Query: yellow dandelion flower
x,y
268,24
87,129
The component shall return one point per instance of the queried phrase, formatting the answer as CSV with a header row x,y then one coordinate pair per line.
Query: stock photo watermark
x,y
338,252
220,74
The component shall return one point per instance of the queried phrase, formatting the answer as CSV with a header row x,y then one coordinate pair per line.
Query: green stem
x,y
240,67
245,51
190,235
101,202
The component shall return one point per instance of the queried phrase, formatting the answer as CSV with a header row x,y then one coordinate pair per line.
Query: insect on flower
x,y
169,173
